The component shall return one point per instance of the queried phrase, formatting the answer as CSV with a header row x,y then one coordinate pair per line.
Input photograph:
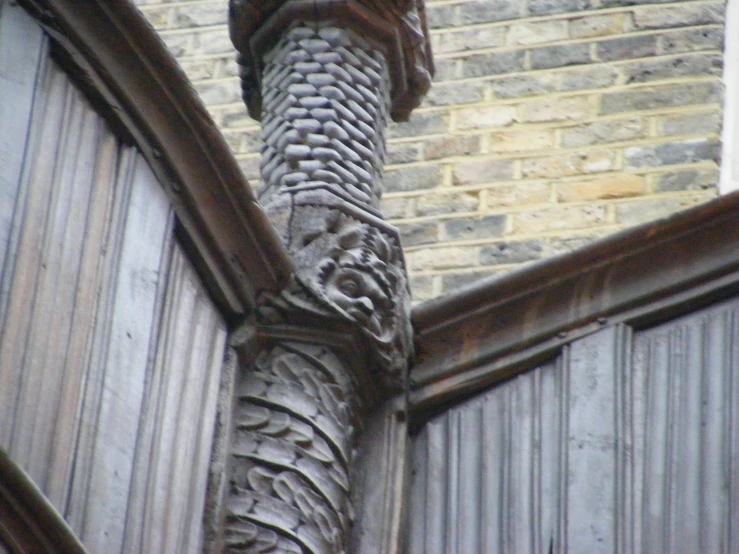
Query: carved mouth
x,y
359,315
370,321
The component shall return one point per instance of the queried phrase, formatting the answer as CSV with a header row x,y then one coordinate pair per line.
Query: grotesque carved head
x,y
358,295
354,271
359,277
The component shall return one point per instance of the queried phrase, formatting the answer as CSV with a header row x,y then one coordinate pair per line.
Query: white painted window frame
x,y
729,180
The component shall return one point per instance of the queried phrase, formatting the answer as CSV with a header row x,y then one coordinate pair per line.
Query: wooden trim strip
x,y
638,267
126,63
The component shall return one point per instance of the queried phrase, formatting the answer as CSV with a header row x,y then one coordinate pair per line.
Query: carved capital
x,y
397,28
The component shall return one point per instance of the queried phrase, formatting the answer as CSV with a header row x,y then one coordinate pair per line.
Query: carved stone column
x,y
323,76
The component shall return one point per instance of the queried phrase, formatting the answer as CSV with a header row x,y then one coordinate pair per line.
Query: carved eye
x,y
349,287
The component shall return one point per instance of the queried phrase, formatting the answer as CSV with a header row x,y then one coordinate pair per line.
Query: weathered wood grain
x,y
147,93
380,525
683,384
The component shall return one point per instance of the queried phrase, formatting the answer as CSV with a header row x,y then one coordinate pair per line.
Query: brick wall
x,y
550,123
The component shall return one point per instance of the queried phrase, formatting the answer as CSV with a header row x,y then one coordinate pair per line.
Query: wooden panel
x,y
68,184
166,508
131,70
109,374
591,439
379,524
683,386
628,444
122,360
486,474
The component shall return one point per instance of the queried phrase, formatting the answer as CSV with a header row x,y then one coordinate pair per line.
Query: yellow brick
x,y
442,258
519,141
620,186
518,195
597,25
432,204
557,109
560,218
488,117
569,164
536,33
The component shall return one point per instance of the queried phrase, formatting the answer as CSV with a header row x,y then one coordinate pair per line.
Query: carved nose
x,y
365,305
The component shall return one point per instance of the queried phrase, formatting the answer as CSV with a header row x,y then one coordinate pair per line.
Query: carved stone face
x,y
359,295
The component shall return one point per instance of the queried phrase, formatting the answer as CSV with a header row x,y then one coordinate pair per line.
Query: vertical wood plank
x,y
495,452
548,456
23,52
732,432
197,447
436,487
55,299
591,457
685,506
166,510
486,472
83,462
686,466
655,454
714,477
76,364
381,522
136,296
452,477
636,387
520,515
470,493
417,499
20,287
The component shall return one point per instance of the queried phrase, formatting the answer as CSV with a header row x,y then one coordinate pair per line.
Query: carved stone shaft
x,y
324,76
295,424
326,102
325,107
